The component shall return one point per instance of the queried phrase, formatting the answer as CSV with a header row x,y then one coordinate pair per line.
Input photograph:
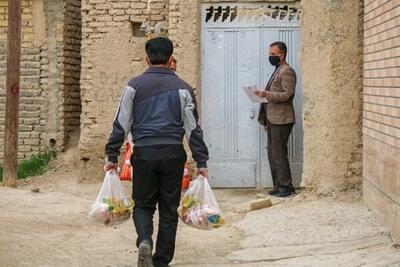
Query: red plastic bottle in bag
x,y
126,169
186,177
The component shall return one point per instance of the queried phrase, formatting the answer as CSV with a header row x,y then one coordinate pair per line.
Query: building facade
x,y
77,56
330,34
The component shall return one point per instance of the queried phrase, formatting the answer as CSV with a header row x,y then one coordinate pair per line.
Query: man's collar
x,y
163,70
283,63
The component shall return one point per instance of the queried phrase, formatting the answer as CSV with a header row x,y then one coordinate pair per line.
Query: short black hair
x,y
281,45
159,50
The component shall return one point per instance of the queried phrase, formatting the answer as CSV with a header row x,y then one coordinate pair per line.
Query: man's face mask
x,y
274,60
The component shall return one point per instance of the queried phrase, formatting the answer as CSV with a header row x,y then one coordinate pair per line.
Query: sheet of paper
x,y
251,93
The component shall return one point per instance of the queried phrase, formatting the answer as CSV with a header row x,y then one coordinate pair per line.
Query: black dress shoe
x,y
273,191
158,264
285,191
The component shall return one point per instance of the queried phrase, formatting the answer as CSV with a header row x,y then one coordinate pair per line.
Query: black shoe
x,y
285,191
273,191
158,264
145,254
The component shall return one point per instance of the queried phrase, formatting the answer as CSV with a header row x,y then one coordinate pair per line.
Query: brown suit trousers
x,y
278,136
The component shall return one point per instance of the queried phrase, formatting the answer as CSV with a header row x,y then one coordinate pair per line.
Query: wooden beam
x,y
12,94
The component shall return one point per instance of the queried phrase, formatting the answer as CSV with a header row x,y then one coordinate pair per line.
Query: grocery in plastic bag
x,y
111,204
199,208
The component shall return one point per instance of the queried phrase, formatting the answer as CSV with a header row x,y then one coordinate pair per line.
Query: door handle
x,y
252,113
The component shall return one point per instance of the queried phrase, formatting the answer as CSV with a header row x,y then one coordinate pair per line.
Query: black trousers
x,y
278,137
157,178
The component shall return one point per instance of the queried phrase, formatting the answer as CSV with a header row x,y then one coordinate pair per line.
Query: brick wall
x,y
32,100
50,72
111,55
381,111
72,67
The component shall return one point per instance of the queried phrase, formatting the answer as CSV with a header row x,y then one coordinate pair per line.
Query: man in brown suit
x,y
278,118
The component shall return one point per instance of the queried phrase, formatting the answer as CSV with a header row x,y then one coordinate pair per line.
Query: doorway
x,y
234,53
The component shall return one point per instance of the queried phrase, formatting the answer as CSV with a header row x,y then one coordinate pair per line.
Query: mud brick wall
x,y
32,100
381,111
111,55
332,49
184,31
50,72
72,67
61,70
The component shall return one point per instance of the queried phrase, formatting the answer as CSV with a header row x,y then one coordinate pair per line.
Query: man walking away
x,y
158,108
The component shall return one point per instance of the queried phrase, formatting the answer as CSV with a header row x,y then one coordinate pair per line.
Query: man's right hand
x,y
110,166
202,171
261,93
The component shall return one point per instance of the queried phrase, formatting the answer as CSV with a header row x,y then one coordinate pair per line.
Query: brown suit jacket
x,y
279,109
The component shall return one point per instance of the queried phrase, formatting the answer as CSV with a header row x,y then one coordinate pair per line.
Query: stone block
x,y
104,18
260,203
24,149
121,18
117,12
119,5
137,5
32,142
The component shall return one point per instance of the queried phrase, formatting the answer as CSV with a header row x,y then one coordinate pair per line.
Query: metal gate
x,y
235,40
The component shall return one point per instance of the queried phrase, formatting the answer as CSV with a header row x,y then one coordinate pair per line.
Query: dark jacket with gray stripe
x,y
158,108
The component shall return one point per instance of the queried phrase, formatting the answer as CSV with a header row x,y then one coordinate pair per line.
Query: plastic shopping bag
x,y
111,204
199,208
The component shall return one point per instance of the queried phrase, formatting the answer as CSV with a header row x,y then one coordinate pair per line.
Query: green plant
x,y
36,165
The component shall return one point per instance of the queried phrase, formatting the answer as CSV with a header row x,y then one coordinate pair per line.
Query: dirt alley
x,y
50,228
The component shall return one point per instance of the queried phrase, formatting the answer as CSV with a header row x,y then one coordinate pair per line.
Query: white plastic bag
x,y
111,204
199,208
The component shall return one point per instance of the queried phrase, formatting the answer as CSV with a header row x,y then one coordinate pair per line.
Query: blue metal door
x,y
234,54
